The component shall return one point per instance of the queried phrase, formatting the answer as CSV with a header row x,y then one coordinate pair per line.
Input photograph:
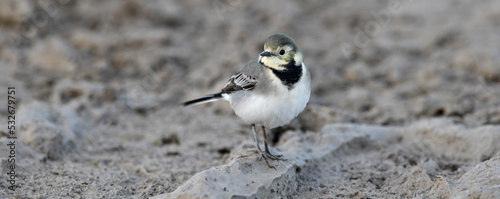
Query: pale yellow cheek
x,y
298,57
274,62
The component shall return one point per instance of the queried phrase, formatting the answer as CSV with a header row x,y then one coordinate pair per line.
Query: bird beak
x,y
266,54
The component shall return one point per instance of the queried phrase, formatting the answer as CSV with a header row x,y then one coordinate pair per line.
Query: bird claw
x,y
263,156
274,157
266,156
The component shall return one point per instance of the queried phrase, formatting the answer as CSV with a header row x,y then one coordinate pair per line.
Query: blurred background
x,y
101,81
374,62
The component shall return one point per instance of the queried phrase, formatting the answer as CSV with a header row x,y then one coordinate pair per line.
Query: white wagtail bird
x,y
270,90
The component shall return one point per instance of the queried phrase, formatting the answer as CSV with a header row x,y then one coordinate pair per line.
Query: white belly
x,y
272,110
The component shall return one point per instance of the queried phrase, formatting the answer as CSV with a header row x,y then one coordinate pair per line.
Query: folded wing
x,y
239,82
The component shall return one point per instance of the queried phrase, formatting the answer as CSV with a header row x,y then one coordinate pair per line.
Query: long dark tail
x,y
201,100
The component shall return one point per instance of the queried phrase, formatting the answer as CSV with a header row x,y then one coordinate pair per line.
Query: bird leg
x,y
260,150
268,153
256,138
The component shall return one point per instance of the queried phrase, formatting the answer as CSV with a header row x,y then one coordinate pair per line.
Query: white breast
x,y
273,109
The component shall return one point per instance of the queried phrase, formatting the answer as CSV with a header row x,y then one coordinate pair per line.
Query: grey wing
x,y
239,82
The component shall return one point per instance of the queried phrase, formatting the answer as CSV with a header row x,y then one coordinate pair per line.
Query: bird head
x,y
280,52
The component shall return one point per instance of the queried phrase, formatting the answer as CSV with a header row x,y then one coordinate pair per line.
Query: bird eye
x,y
282,52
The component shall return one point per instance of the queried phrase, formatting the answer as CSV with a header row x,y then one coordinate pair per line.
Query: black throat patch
x,y
290,75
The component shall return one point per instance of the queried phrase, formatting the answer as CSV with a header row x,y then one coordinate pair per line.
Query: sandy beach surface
x,y
405,99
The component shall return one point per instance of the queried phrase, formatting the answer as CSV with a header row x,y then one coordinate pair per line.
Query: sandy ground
x,y
98,86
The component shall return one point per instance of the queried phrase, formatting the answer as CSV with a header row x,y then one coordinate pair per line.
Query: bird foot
x,y
273,157
266,156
